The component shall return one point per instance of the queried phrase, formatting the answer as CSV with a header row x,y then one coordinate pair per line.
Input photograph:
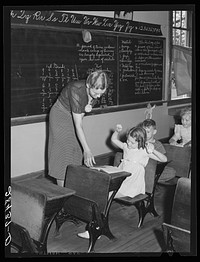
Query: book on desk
x,y
107,169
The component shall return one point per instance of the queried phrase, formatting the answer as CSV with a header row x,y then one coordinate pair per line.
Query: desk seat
x,y
143,202
179,159
177,233
35,203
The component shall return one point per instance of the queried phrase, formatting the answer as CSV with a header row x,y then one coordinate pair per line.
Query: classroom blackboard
x,y
140,69
44,59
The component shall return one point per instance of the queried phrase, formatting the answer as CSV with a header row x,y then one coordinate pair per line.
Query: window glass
x,y
181,36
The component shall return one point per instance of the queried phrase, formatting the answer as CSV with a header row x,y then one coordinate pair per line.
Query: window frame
x,y
178,101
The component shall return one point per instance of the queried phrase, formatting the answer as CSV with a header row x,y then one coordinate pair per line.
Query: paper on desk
x,y
179,145
106,168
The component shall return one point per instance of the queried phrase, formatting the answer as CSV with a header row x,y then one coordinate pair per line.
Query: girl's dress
x,y
134,161
182,133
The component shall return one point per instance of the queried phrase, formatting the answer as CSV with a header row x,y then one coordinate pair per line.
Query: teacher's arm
x,y
87,154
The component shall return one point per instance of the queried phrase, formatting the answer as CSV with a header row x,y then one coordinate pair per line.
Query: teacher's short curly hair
x,y
139,133
98,80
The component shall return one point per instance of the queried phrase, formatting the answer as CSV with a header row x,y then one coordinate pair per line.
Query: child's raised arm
x,y
154,154
114,138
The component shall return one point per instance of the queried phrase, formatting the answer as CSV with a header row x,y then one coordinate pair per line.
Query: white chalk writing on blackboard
x,y
126,65
54,77
61,56
141,62
101,56
95,53
148,54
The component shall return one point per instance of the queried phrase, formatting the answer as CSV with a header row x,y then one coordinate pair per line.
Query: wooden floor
x,y
123,224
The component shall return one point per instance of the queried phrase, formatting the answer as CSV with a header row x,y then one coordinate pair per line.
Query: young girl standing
x,y
136,154
183,132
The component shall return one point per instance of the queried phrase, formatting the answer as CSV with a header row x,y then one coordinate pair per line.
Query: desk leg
x,y
106,228
43,243
62,217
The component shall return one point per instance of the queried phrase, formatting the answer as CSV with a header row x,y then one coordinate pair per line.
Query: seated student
x,y
183,132
150,126
136,153
135,157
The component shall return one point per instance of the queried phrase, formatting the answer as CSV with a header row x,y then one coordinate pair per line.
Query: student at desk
x,y
136,153
183,132
150,126
135,157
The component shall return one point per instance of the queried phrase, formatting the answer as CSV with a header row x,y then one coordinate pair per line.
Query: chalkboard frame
x,y
44,117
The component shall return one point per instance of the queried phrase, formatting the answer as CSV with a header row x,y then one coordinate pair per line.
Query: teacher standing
x,y
67,142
